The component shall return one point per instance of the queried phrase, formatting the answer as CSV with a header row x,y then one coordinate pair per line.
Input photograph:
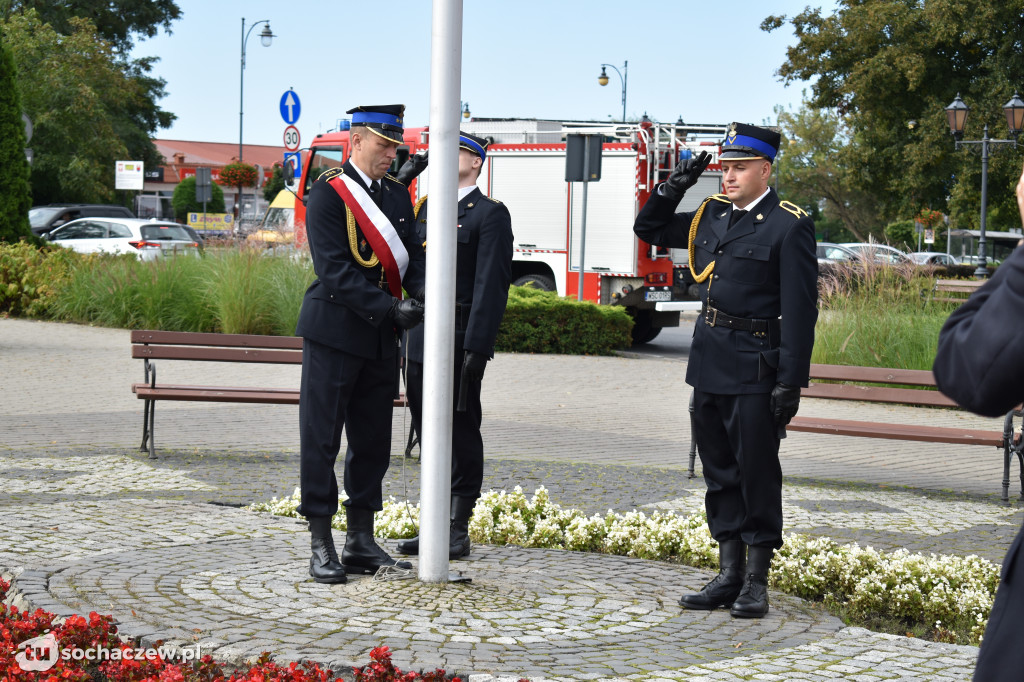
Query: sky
x,y
707,62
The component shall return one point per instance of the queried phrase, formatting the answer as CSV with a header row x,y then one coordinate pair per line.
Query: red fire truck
x,y
525,169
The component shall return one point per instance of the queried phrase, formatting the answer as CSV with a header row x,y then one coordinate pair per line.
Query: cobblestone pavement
x,y
90,523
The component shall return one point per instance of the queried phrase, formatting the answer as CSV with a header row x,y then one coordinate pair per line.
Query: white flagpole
x,y
439,333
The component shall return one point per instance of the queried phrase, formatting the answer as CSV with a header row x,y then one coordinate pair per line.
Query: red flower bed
x,y
89,650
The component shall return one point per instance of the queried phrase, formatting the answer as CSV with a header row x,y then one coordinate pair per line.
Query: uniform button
x,y
716,276
720,252
705,241
749,252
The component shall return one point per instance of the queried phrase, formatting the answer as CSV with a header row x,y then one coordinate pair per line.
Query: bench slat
x,y
877,394
224,394
927,434
214,339
201,354
876,375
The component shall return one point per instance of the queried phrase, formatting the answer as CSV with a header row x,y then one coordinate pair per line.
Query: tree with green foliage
x,y
116,22
274,185
16,198
183,201
890,67
815,171
90,104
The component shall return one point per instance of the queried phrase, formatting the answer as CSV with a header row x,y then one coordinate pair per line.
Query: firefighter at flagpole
x,y
483,272
753,257
359,224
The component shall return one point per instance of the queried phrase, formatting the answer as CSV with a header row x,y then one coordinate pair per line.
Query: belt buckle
x,y
712,319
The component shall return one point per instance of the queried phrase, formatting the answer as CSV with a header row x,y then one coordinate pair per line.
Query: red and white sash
x,y
377,229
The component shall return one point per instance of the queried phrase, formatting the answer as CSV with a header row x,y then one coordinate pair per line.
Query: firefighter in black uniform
x,y
754,259
977,366
359,223
483,271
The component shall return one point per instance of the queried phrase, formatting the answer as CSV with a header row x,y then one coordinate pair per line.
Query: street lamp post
x,y
956,113
266,37
603,80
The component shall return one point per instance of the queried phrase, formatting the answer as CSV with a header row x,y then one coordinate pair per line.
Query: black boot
x,y
752,601
458,536
324,565
458,539
722,590
362,554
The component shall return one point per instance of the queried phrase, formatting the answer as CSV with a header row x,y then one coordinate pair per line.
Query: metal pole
x,y
241,85
583,219
625,67
439,335
982,271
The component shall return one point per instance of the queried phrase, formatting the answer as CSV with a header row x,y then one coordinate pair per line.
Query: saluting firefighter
x,y
754,259
483,271
359,223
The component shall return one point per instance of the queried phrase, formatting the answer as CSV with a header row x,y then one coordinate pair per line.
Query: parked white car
x,y
147,239
878,253
933,258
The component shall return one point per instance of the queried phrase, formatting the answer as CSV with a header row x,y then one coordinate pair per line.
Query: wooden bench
x,y
201,347
955,290
900,387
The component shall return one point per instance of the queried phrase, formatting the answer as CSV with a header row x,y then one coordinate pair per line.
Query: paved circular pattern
x,y
534,611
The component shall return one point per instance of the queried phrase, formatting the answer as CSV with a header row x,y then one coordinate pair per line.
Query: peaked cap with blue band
x,y
384,120
473,144
746,143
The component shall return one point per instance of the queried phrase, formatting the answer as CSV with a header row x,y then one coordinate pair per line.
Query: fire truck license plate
x,y
657,295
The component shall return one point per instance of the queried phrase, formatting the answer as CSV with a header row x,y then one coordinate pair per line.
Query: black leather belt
x,y
714,317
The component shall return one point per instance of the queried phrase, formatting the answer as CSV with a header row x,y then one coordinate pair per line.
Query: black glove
x,y
784,403
406,313
684,176
415,165
473,366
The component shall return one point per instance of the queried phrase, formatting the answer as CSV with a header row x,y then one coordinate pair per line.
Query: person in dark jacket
x,y
359,224
978,365
483,271
753,257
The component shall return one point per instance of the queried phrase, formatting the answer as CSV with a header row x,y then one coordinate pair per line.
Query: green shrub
x,y
542,322
183,201
30,277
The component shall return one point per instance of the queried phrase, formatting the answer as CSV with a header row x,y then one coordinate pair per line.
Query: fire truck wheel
x,y
643,327
541,282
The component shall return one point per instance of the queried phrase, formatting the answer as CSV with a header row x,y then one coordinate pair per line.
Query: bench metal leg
x,y
693,439
1012,446
152,436
145,425
413,440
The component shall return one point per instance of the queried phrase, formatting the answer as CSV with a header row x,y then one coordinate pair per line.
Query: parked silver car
x,y
835,253
146,239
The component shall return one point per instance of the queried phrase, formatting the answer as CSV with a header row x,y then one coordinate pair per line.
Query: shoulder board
x,y
720,197
792,208
331,173
492,200
392,178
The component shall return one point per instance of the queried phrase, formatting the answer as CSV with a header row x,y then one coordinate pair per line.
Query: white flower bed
x,y
927,589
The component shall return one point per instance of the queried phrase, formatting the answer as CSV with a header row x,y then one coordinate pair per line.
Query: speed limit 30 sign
x,y
291,138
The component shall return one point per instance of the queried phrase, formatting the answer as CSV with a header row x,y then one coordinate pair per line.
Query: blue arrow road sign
x,y
292,163
290,107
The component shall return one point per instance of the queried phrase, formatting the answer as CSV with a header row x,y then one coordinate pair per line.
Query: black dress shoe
x,y
364,556
752,601
324,566
724,587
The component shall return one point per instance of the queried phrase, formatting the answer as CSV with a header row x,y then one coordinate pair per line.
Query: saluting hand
x,y
415,165
684,176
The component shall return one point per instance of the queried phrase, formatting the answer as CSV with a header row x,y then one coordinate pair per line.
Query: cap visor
x,y
389,135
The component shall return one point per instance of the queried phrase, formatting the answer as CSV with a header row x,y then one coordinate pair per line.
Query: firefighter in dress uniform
x,y
359,223
483,272
977,367
753,257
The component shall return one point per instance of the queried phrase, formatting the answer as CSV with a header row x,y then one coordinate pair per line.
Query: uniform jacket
x,y
345,307
483,271
765,268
